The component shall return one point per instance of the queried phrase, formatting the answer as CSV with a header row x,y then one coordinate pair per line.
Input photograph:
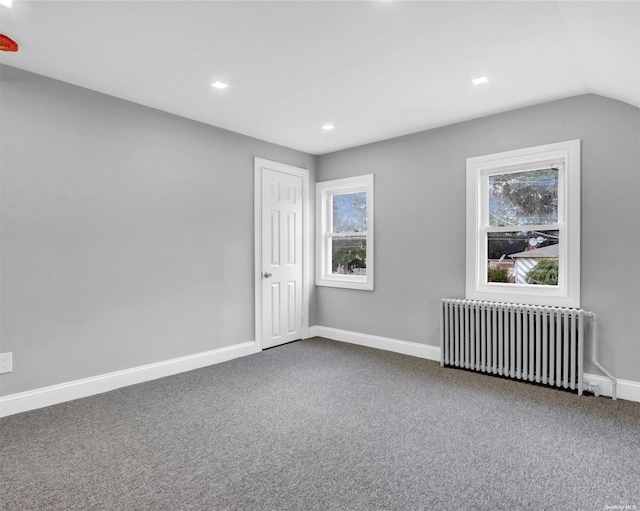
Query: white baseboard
x,y
373,341
46,396
626,389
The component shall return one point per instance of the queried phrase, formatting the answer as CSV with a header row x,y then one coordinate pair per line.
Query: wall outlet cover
x,y
6,362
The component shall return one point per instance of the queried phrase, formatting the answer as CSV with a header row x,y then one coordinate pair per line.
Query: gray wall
x,y
420,221
127,233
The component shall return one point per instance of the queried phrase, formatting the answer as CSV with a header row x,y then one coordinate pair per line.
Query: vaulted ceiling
x,y
373,69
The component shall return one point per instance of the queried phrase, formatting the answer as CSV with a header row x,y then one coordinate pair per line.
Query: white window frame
x,y
324,192
565,156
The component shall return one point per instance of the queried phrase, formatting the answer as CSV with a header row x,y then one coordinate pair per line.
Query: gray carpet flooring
x,y
322,425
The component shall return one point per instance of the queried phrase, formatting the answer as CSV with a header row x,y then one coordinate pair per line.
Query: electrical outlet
x,y
6,362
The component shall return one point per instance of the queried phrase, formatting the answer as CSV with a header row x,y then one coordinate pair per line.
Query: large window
x,y
523,226
345,233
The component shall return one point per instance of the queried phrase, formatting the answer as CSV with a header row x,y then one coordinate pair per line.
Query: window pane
x,y
350,212
523,257
523,198
349,255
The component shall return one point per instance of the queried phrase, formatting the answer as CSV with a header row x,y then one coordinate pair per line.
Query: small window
x,y
345,233
523,226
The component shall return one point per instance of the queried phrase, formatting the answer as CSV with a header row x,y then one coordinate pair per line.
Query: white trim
x,y
47,396
307,273
55,394
567,292
325,190
373,341
626,389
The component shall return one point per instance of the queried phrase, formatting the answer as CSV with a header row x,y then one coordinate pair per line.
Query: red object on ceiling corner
x,y
7,44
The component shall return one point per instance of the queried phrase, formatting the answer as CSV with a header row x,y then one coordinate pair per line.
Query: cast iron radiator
x,y
527,342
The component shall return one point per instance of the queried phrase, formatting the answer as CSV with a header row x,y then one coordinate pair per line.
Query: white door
x,y
281,271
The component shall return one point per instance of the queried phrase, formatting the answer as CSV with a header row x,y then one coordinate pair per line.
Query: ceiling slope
x,y
373,69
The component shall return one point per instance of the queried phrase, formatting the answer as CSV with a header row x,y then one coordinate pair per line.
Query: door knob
x,y
267,274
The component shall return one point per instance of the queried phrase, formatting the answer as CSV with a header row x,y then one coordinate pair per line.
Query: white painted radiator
x,y
538,344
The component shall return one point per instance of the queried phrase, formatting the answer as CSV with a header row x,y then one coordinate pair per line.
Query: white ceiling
x,y
375,69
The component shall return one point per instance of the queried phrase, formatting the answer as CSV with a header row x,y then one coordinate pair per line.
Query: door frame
x,y
259,164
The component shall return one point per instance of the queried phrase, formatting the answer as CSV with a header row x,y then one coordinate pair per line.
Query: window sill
x,y
346,283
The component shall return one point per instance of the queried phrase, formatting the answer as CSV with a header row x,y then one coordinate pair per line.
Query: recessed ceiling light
x,y
328,127
219,85
480,80
6,3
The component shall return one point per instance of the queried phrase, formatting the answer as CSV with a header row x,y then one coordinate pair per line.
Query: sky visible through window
x,y
524,198
349,253
350,212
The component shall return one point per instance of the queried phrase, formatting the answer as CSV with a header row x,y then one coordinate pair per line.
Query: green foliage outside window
x,y
348,254
545,272
498,274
